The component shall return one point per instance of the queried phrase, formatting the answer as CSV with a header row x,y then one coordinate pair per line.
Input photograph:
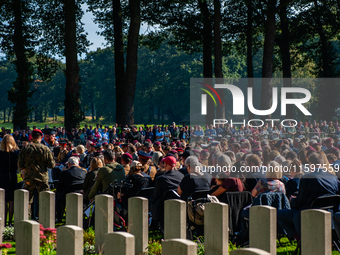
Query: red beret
x,y
329,140
174,152
333,149
127,155
157,143
170,160
310,148
37,131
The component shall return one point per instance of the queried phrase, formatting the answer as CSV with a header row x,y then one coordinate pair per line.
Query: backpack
x,y
196,209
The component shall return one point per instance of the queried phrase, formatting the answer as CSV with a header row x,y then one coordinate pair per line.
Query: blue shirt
x,y
159,134
199,132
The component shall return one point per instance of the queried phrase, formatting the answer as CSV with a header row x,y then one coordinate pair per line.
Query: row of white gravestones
x,y
315,227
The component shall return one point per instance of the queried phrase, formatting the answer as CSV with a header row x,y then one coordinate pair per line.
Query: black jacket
x,y
312,186
71,180
168,181
132,136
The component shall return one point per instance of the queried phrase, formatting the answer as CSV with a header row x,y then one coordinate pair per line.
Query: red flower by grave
x,y
5,245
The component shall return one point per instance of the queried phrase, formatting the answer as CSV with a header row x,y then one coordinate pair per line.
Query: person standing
x,y
134,135
8,173
34,160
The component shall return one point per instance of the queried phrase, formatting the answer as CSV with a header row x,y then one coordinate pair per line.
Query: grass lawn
x,y
286,248
60,122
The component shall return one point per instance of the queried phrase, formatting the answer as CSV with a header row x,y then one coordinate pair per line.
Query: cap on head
x,y
49,131
144,155
126,156
329,140
37,131
147,145
135,163
170,160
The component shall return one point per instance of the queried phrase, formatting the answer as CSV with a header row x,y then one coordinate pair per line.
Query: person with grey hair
x,y
231,155
81,151
239,156
224,160
215,156
312,141
230,184
279,159
70,180
197,179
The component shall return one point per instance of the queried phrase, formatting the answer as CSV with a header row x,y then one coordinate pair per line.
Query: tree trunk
x,y
158,114
45,114
20,92
9,115
119,59
207,59
285,56
5,115
131,63
268,54
249,36
72,102
220,110
92,110
163,115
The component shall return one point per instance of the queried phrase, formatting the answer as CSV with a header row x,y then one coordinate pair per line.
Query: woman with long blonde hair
x,y
9,152
90,177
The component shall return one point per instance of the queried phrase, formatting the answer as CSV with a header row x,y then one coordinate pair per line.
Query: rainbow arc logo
x,y
204,97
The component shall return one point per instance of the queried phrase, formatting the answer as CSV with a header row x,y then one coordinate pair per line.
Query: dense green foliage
x,y
287,38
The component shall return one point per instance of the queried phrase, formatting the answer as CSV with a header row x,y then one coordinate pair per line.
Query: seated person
x,y
70,180
296,172
107,174
148,167
126,160
170,180
138,179
312,185
232,183
195,180
90,178
336,221
254,164
272,181
219,179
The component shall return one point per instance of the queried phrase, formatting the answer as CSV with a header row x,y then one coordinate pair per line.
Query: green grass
x,y
60,122
286,248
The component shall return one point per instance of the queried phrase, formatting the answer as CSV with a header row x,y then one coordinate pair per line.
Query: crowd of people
x,y
299,168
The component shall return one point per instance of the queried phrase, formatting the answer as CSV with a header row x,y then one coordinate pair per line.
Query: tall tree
x,y
284,44
220,111
73,114
249,39
131,64
270,9
18,36
64,36
121,17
